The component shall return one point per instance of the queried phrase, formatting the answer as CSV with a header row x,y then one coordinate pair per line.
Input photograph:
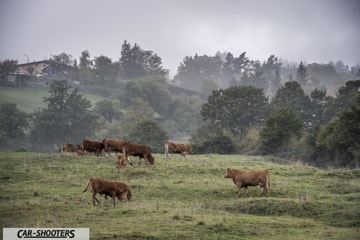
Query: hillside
x,y
29,99
180,198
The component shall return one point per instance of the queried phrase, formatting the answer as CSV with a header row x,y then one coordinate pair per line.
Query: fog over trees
x,y
221,104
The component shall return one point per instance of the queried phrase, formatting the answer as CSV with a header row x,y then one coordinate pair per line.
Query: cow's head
x,y
228,173
151,159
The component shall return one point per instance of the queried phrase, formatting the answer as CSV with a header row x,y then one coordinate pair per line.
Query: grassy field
x,y
180,198
29,99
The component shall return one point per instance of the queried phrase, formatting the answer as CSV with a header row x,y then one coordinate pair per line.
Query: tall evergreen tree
x,y
301,74
292,96
105,71
67,118
136,63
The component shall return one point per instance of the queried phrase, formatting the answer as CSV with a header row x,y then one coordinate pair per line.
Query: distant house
x,y
39,74
46,68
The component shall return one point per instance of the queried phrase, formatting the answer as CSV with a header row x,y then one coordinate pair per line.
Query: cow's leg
x,y
264,190
239,189
123,196
106,198
113,198
127,158
247,191
118,164
95,199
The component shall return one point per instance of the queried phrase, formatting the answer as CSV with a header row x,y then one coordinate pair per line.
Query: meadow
x,y
30,99
179,198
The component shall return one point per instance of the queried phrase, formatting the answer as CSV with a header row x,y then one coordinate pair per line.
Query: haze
x,y
311,31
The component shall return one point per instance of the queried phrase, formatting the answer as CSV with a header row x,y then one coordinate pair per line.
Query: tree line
x,y
225,104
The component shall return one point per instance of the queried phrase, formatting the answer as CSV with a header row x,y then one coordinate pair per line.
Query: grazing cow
x,y
174,147
109,188
69,147
138,150
246,178
114,145
93,146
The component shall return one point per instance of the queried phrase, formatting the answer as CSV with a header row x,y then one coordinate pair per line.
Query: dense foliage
x,y
234,109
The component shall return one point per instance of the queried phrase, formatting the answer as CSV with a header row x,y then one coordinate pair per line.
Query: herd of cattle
x,y
121,191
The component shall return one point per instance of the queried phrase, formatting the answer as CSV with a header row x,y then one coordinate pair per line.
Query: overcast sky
x,y
303,30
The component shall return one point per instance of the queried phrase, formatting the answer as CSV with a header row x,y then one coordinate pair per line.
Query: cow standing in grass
x,y
93,146
69,147
246,178
138,150
114,189
114,145
174,147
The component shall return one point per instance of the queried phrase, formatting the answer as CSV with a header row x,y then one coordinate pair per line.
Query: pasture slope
x,y
180,198
29,99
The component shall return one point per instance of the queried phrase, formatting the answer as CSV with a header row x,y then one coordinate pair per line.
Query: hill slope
x,y
180,198
30,99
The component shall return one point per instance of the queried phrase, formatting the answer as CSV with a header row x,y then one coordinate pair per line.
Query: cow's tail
x,y
87,185
268,182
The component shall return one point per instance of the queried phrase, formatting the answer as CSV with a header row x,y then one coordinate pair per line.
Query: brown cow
x,y
138,150
114,145
174,147
93,146
121,162
246,178
109,188
69,147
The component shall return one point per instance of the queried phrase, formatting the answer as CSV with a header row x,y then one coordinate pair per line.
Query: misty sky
x,y
305,30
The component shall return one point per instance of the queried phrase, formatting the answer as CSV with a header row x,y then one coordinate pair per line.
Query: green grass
x,y
180,198
29,99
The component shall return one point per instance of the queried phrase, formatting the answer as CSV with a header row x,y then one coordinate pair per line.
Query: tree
x,y
137,112
105,71
319,100
345,97
301,74
254,76
85,68
149,133
339,139
271,72
64,59
136,63
234,67
229,67
292,96
152,90
234,109
184,116
109,110
13,123
210,139
8,66
280,127
193,70
67,118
